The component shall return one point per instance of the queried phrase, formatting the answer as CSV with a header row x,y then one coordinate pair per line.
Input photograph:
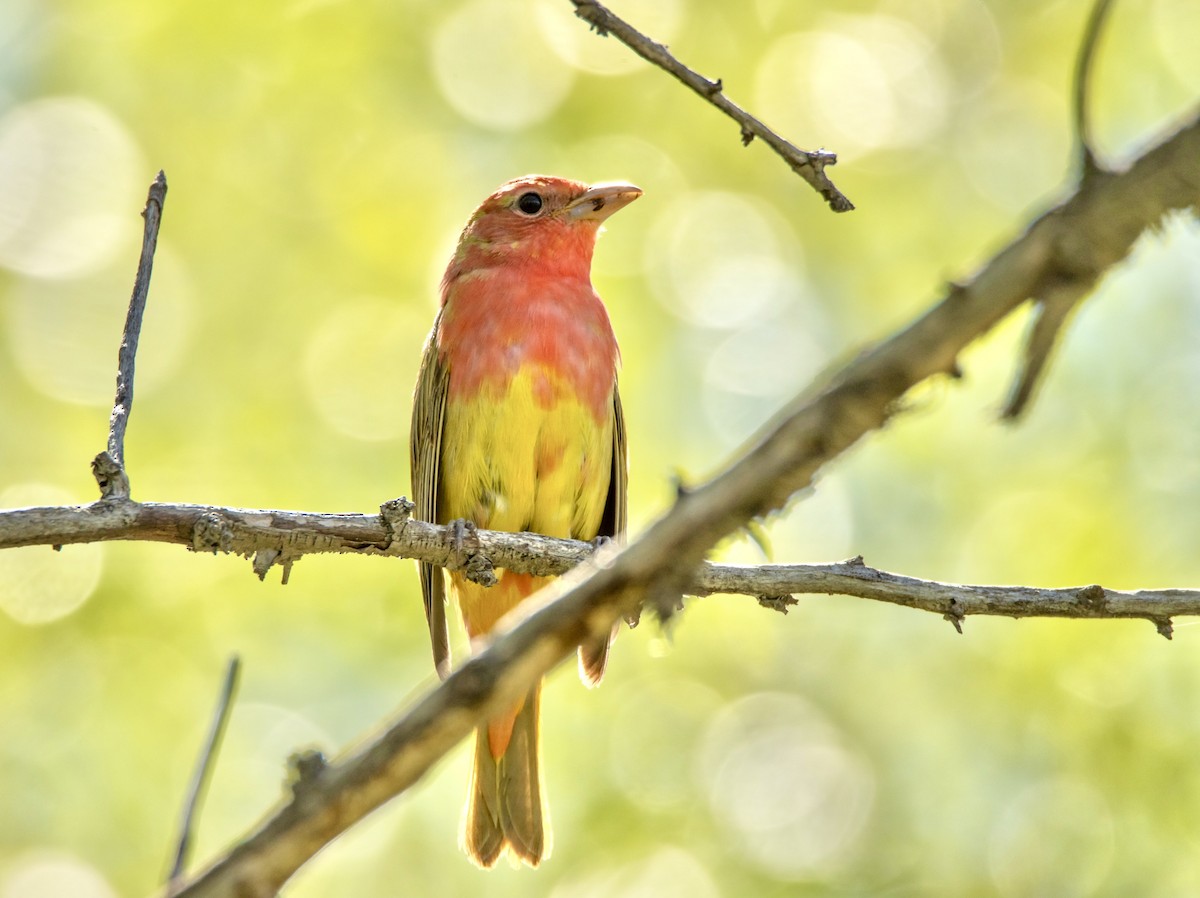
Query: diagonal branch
x,y
810,165
203,773
1100,221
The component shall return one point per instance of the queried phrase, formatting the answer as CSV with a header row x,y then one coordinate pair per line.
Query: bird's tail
x,y
504,799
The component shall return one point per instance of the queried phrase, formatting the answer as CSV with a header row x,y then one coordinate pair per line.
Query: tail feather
x,y
504,801
593,659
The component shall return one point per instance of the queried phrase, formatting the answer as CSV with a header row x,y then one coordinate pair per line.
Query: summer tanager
x,y
517,426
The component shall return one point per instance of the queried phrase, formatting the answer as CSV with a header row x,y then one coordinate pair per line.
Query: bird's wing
x,y
593,656
425,443
612,522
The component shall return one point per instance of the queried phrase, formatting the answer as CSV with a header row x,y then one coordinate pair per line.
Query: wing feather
x,y
593,657
425,445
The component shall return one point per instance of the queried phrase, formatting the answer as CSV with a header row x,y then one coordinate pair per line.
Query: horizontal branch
x,y
776,584
281,537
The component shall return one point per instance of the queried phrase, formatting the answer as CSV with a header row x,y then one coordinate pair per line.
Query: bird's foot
x,y
470,560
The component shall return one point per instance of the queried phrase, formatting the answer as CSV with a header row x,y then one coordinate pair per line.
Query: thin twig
x,y
810,165
118,486
1082,81
1054,309
203,774
1058,296
954,601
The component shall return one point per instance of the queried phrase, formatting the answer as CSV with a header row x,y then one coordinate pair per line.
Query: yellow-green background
x,y
321,157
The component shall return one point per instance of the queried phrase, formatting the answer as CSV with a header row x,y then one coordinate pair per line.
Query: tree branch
x,y
280,537
810,165
204,768
109,467
776,584
1058,299
1082,80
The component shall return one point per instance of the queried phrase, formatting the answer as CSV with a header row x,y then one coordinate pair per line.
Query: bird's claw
x,y
459,529
600,542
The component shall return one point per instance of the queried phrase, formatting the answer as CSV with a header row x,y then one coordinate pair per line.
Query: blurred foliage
x,y
321,157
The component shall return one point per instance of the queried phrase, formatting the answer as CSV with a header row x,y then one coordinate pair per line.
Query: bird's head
x,y
539,222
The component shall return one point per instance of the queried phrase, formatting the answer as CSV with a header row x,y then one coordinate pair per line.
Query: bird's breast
x,y
556,334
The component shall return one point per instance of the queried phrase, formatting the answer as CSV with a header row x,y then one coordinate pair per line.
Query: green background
x,y
321,158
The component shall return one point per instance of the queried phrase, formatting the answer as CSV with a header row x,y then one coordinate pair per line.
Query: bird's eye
x,y
530,203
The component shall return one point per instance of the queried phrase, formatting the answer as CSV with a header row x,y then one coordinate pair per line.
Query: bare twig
x,y
1054,308
954,601
204,768
1082,80
1060,295
110,471
810,165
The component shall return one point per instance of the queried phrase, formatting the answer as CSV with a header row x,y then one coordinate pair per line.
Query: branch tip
x,y
1165,628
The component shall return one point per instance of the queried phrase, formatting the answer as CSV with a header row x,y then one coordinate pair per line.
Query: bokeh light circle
x,y
68,178
52,874
1176,25
752,371
63,334
580,48
859,84
494,69
349,359
716,260
659,715
1039,827
783,781
37,584
669,872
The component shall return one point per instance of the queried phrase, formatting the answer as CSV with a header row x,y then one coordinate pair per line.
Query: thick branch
x,y
808,165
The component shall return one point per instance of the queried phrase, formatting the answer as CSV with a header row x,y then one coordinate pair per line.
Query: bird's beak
x,y
601,201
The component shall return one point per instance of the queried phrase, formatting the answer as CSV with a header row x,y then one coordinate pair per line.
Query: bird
x,y
517,425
